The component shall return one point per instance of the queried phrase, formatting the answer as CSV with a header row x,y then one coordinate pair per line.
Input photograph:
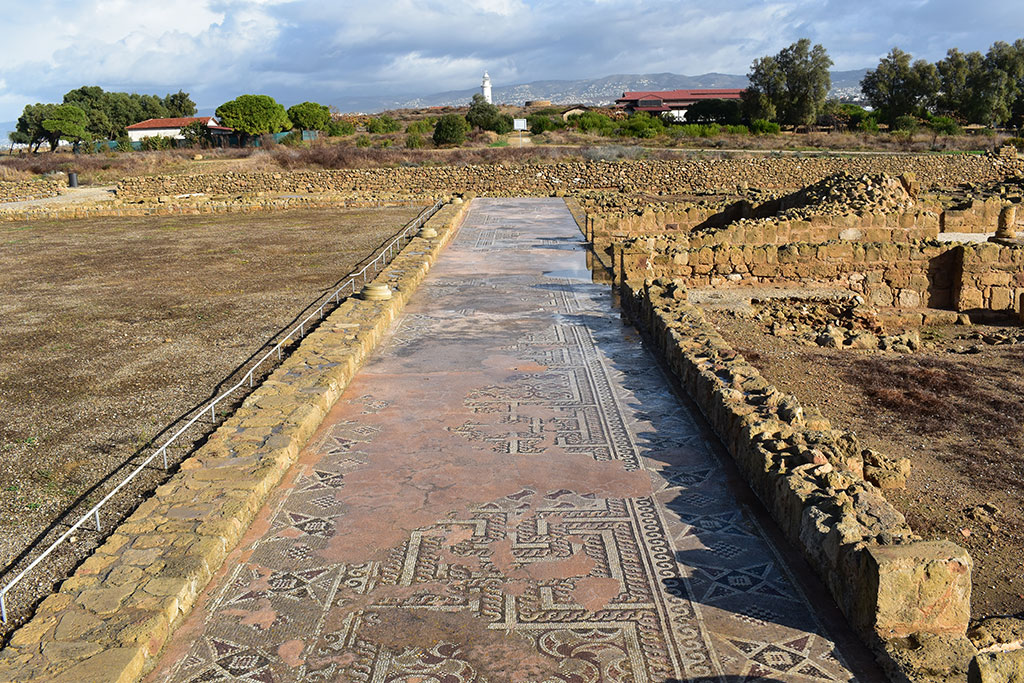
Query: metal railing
x,y
366,273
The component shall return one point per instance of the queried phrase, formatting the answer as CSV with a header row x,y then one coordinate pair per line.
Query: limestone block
x,y
1001,298
919,587
997,667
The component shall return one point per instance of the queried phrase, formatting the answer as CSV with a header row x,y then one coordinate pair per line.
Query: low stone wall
x,y
108,621
979,216
890,584
696,226
990,278
20,190
644,177
197,207
907,275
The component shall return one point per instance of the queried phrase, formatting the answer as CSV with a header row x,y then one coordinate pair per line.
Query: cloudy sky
x,y
296,50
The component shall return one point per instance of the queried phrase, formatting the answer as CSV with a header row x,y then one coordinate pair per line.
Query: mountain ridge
x,y
592,91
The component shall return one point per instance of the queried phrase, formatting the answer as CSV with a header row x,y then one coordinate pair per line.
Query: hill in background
x,y
592,91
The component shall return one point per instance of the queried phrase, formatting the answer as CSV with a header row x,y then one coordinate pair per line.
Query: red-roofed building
x,y
672,102
171,128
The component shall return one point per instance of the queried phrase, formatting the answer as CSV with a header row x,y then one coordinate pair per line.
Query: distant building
x,y
485,88
171,128
672,102
574,110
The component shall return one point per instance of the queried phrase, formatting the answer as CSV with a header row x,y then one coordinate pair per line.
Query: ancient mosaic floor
x,y
508,492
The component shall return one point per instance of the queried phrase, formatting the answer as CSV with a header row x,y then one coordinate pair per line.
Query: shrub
x,y
541,123
382,124
451,129
292,139
413,141
737,130
364,141
642,125
764,127
867,124
592,122
907,123
421,127
1016,142
156,142
944,125
340,127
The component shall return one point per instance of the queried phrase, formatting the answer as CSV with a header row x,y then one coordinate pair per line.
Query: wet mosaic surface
x,y
509,491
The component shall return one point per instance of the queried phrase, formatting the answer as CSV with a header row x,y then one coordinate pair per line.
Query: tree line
x,y
90,112
792,87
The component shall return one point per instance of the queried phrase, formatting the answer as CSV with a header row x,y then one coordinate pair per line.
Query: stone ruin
x,y
855,261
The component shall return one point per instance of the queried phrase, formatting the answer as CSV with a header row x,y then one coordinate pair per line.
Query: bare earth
x,y
112,328
956,416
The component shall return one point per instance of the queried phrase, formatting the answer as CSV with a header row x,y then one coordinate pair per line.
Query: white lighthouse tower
x,y
485,88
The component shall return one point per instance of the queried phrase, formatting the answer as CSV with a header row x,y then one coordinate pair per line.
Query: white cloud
x,y
306,49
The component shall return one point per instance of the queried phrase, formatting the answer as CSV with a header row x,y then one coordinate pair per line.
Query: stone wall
x,y
20,190
905,275
980,215
644,177
889,583
198,206
990,278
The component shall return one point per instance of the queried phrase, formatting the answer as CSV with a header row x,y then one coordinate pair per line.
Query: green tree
x,y
179,105
197,134
807,81
30,125
70,123
110,112
309,116
791,86
253,115
725,112
764,95
451,129
92,100
1005,65
486,116
897,87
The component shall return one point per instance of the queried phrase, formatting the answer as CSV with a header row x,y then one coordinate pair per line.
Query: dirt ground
x,y
956,413
113,328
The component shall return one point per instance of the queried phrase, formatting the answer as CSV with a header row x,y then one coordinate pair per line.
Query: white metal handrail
x,y
297,332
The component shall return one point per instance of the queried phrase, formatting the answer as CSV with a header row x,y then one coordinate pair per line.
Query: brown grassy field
x,y
112,328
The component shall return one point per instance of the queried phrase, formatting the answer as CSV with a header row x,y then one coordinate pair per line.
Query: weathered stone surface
x,y
997,667
922,587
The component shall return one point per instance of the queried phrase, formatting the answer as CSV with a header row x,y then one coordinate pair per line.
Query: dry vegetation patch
x,y
959,418
114,327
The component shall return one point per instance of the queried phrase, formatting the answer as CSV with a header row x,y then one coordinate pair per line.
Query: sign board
x,y
519,124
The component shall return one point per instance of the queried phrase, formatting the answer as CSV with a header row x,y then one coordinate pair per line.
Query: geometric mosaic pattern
x,y
558,581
